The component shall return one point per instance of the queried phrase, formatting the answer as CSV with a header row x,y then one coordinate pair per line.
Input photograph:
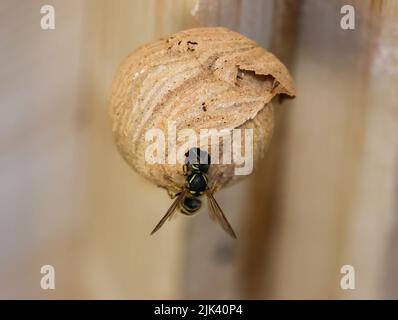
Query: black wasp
x,y
197,164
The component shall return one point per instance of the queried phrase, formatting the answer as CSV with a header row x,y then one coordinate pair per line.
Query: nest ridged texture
x,y
203,78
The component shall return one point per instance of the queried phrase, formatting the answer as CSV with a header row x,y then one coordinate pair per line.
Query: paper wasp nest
x,y
204,78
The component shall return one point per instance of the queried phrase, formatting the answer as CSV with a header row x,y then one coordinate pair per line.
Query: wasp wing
x,y
217,214
170,213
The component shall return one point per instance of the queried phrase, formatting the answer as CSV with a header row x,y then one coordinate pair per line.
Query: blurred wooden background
x,y
325,195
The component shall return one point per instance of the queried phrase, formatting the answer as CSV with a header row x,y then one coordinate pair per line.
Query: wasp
x,y
196,166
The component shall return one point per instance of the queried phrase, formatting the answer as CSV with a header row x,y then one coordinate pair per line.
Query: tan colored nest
x,y
198,78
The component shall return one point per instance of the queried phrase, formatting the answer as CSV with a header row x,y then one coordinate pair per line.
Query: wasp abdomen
x,y
190,205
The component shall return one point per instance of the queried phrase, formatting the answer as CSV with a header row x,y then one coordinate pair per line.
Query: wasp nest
x,y
204,78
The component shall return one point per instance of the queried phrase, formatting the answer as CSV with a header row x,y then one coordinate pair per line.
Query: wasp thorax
x,y
199,79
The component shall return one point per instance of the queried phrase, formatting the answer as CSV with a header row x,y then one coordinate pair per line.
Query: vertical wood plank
x,y
337,201
266,191
68,197
124,207
213,260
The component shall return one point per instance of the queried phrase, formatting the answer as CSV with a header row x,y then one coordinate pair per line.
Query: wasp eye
x,y
193,155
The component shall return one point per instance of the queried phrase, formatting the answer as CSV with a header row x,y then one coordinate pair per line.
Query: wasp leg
x,y
185,169
173,195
